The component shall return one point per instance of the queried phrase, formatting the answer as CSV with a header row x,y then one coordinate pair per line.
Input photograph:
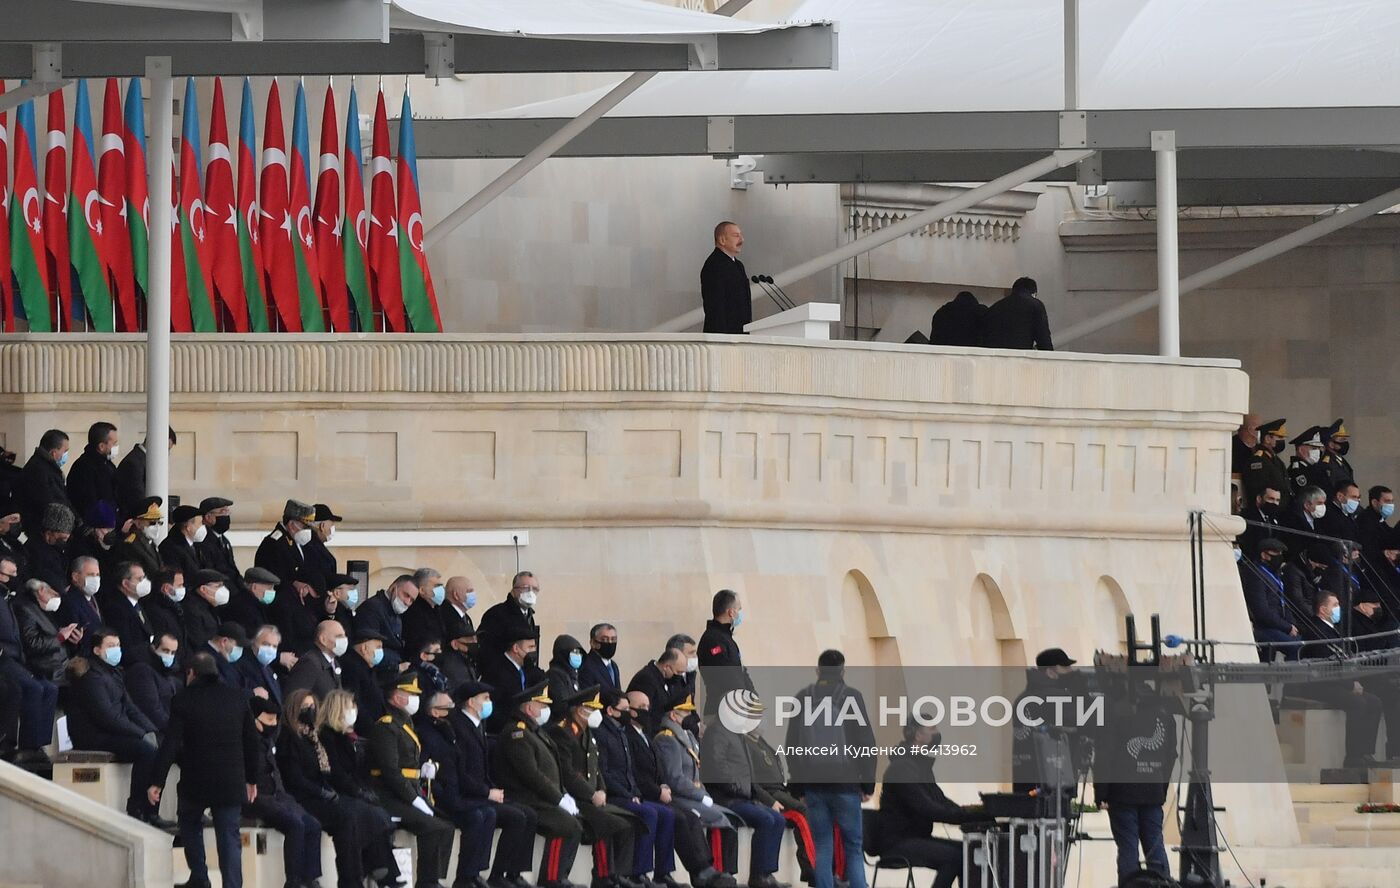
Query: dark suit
x,y
318,564
420,622
1255,533
454,796
458,667
596,671
317,674
44,562
253,675
102,715
92,479
129,619
1017,321
40,483
176,551
152,686
377,615
201,621
651,682
130,481
656,841
216,553
501,620
277,808
1269,608
357,678
37,688
725,294
245,610
506,680
516,847
167,617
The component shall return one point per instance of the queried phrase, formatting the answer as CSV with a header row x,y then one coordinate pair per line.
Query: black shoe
x,y
499,882
519,881
726,880
160,822
193,884
765,880
667,881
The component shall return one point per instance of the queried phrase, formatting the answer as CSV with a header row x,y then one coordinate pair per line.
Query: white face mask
x,y
1320,510
1313,456
411,707
114,452
302,537
200,533
398,605
543,717
692,664
221,596
595,718
529,597
151,532
177,594
352,716
52,604
342,644
91,584
143,588
330,533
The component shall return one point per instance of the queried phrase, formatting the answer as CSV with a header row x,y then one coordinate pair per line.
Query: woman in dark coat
x,y
563,668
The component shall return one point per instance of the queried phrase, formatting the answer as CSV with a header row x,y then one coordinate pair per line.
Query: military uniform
x,y
394,750
1334,462
1303,474
136,546
1264,468
525,765
614,841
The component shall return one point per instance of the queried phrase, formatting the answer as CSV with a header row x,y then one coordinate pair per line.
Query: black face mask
x,y
1343,447
307,717
607,649
532,658
625,718
221,524
1269,510
1279,445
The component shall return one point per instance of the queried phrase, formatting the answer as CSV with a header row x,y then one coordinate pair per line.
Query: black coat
x,y
11,643
131,480
1128,770
475,775
651,682
136,548
216,553
245,610
1017,321
725,294
1254,534
645,767
504,678
45,654
152,687
595,671
441,745
911,801
167,618
420,622
377,615
1265,599
201,620
721,663
301,769
40,483
458,667
317,674
129,619
253,675
178,552
958,322
92,479
100,708
279,553
615,761
212,738
359,679
499,621
78,608
1373,533
44,562
318,564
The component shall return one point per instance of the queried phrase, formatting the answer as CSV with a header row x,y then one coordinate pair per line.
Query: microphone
x,y
758,279
774,284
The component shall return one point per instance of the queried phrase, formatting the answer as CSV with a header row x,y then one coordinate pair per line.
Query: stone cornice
x,y
851,375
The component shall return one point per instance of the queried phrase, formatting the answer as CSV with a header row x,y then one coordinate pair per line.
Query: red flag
x,y
7,291
330,252
384,227
111,190
60,273
275,228
180,320
221,217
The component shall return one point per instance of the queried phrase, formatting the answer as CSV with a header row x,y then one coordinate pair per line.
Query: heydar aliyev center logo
x,y
740,711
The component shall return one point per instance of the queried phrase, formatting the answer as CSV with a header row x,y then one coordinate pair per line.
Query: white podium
x,y
810,320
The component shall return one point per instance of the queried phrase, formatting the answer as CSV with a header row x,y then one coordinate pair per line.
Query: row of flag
x,y
257,252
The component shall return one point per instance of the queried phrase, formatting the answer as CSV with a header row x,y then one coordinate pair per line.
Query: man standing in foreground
x,y
724,285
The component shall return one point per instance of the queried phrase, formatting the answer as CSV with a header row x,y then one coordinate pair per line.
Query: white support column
x,y
1168,273
160,159
1071,58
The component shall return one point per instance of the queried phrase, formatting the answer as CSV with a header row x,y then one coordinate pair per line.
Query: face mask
x,y
302,537
529,597
1269,510
342,644
575,659
692,664
200,534
166,660
1336,614
738,619
114,452
269,596
471,600
607,650
236,654
532,658
1320,510
1313,456
352,716
221,596
486,709
411,707
595,718
625,718
113,656
91,585
377,658
63,460
307,716
151,532
1350,506
397,604
543,717
439,595
222,523
52,604
1279,445
177,594
1239,555
143,587
1343,448
1387,509
352,597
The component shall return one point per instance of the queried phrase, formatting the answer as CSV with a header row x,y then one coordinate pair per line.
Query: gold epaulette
x,y
386,720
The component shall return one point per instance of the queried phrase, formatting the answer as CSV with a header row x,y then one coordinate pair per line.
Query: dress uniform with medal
x,y
1265,468
1336,442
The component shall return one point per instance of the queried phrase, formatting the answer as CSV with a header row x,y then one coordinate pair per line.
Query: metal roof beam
x,y
320,20
1253,192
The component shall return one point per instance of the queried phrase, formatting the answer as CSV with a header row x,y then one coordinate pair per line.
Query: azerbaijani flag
x,y
313,319
221,210
276,220
384,227
330,252
112,211
419,296
27,227
138,187
355,231
194,236
60,271
249,248
85,235
7,290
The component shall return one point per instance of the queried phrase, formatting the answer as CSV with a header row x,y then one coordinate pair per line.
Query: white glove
x,y
707,801
568,804
422,806
428,770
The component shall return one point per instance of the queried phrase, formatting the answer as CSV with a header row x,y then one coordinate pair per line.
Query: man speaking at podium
x,y
724,285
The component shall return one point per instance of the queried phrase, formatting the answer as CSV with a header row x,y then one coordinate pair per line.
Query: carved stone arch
x,y
861,604
995,638
1109,609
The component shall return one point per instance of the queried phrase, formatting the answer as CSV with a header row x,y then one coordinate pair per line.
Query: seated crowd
x,y
287,694
1320,570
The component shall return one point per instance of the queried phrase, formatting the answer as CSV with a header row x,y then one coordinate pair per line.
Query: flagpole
x,y
159,160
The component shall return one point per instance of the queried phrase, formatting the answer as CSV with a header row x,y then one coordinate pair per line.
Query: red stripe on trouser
x,y
552,868
717,848
600,857
803,831
838,857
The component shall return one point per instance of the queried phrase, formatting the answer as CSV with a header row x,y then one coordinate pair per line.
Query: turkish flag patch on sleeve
x,y
716,649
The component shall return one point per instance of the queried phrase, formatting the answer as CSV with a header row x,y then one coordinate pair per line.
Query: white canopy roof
x,y
902,56
595,19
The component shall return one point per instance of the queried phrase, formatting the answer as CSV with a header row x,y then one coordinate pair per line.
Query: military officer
x,y
1305,469
394,751
678,759
1336,442
137,543
525,764
614,845
282,554
1265,468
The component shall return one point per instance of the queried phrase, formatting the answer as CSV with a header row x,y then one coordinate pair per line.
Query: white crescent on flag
x,y
274,157
362,229
57,139
112,142
197,219
146,212
306,235
330,162
379,165
36,223
415,243
4,136
91,200
219,151
252,220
